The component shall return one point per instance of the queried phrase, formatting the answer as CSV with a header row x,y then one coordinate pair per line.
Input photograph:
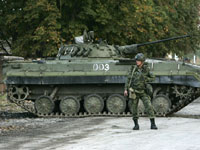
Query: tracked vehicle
x,y
87,79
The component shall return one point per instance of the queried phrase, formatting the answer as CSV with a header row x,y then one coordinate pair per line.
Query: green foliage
x,y
33,26
134,21
36,27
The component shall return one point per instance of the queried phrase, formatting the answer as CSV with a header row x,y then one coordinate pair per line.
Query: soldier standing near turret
x,y
136,85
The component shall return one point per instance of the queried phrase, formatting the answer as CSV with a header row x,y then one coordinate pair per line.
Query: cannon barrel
x,y
132,49
163,40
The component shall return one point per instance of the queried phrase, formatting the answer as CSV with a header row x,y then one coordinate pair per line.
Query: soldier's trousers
x,y
147,104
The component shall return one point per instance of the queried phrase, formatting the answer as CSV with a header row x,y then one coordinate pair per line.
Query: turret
x,y
87,48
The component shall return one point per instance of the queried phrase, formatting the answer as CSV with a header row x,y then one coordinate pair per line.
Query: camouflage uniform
x,y
140,78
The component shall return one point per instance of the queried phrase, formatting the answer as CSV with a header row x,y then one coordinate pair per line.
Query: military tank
x,y
87,79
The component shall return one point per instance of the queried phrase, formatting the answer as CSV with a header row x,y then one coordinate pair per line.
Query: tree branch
x,y
4,49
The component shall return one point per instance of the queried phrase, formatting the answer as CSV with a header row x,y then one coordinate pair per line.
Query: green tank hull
x,y
88,80
176,85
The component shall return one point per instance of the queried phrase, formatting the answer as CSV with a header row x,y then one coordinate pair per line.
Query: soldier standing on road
x,y
136,88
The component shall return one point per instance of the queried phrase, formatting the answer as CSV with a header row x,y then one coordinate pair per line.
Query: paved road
x,y
180,131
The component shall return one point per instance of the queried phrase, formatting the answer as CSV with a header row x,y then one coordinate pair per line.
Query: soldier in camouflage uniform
x,y
136,86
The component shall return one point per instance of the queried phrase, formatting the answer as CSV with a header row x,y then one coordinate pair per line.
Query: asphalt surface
x,y
26,132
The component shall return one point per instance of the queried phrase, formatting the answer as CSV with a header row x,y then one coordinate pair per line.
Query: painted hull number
x,y
101,67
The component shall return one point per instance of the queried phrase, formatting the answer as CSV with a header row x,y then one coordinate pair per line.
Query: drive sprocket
x,y
18,93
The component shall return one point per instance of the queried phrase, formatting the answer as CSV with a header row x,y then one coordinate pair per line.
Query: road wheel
x,y
44,105
93,103
69,105
161,104
116,103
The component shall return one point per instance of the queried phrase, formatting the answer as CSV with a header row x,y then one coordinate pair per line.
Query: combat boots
x,y
136,127
153,125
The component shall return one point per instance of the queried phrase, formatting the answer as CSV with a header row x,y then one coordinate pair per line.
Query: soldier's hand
x,y
125,93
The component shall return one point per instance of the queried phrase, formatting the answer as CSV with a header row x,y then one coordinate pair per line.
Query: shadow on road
x,y
14,115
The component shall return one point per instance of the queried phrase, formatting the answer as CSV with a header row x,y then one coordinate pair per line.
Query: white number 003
x,y
100,67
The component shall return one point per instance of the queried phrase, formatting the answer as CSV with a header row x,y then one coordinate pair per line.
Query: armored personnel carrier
x,y
87,79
